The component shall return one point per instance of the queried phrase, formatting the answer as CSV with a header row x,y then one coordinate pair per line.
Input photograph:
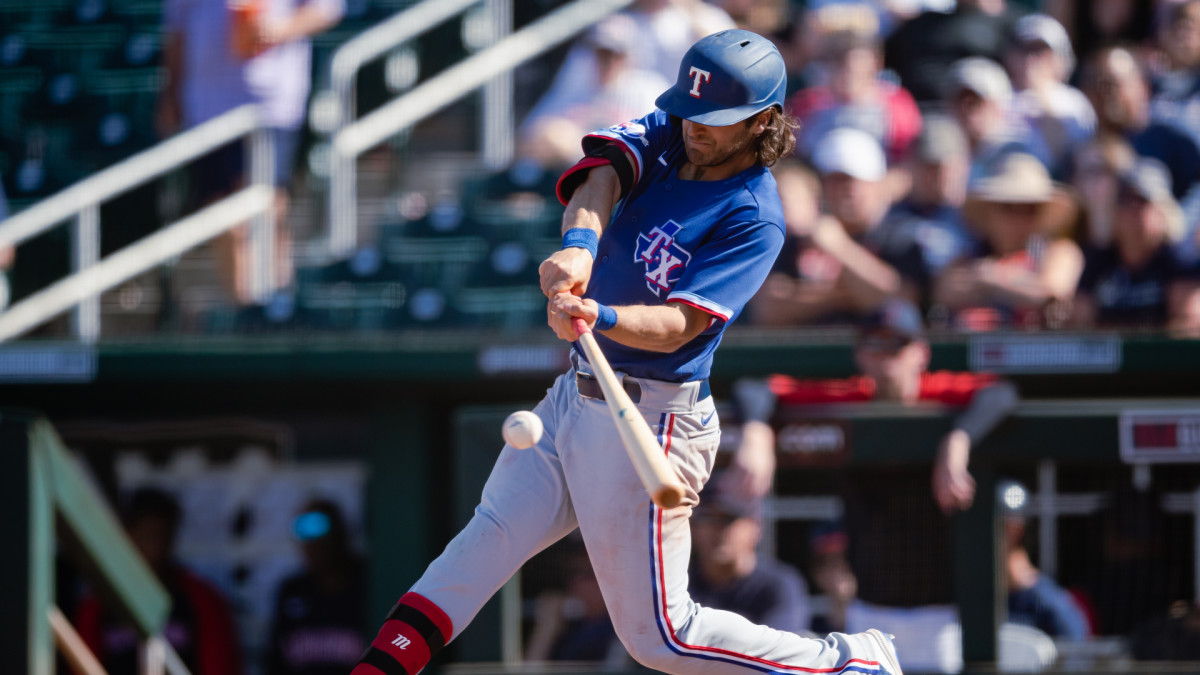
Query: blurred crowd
x,y
1001,164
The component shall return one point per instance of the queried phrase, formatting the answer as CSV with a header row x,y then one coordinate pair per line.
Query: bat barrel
x,y
648,457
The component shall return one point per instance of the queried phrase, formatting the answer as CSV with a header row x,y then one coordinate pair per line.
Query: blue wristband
x,y
607,318
582,237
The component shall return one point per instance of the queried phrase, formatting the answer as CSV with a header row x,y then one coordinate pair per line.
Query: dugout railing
x,y
51,505
1040,440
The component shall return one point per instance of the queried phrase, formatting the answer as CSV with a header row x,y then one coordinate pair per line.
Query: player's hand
x,y
753,467
953,486
564,308
566,271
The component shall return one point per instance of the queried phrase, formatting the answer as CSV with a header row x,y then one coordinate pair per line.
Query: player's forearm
x,y
867,279
660,328
786,303
312,18
989,407
592,203
1017,287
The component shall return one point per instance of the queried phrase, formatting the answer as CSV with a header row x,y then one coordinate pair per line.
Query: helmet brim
x,y
682,105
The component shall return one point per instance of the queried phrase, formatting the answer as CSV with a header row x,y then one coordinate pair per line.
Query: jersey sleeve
x,y
728,270
641,140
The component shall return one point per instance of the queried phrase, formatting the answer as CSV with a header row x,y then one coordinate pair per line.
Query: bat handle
x,y
581,326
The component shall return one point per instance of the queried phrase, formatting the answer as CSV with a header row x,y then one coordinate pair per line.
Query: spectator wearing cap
x,y
613,88
1140,279
318,627
1034,599
855,96
1041,61
980,97
923,50
931,213
200,626
1026,269
843,270
1177,91
892,356
1118,89
728,572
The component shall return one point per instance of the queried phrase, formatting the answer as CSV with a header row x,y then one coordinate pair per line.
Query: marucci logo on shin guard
x,y
401,642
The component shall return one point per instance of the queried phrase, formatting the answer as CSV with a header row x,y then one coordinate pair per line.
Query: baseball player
x,y
672,223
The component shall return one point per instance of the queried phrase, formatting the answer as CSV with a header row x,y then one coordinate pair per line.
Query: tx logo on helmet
x,y
664,258
699,77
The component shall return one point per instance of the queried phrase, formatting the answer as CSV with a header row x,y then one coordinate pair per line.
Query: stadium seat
x,y
364,293
504,308
441,263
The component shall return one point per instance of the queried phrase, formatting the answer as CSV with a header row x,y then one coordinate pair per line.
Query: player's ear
x,y
761,120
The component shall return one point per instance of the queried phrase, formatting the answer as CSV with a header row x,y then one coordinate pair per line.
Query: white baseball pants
x,y
578,475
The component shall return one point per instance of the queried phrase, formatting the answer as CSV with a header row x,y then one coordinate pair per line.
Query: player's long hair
x,y
779,138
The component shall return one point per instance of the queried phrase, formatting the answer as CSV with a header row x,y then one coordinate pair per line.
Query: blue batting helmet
x,y
725,78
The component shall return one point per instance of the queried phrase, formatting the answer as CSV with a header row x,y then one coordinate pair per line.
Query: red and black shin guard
x,y
414,631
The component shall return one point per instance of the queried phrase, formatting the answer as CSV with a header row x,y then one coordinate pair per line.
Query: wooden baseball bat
x,y
648,457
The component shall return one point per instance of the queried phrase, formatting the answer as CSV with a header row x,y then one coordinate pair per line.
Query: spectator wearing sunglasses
x,y
320,612
892,355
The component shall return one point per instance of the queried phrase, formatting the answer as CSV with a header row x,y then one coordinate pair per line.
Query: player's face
x,y
153,539
724,539
718,147
852,201
894,363
1011,225
1139,225
938,183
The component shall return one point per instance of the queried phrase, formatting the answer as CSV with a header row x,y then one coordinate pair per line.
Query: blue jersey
x,y
708,244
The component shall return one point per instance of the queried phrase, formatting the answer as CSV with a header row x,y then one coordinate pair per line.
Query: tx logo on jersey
x,y
699,77
664,258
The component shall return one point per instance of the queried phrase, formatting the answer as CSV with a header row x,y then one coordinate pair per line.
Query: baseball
x,y
522,429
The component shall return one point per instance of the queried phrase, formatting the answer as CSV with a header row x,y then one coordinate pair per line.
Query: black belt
x,y
589,387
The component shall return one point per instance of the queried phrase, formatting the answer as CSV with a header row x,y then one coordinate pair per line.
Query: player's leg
x,y
524,508
640,554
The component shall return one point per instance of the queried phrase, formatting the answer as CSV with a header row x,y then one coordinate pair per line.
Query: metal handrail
x,y
351,139
128,174
370,45
137,258
82,201
376,41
